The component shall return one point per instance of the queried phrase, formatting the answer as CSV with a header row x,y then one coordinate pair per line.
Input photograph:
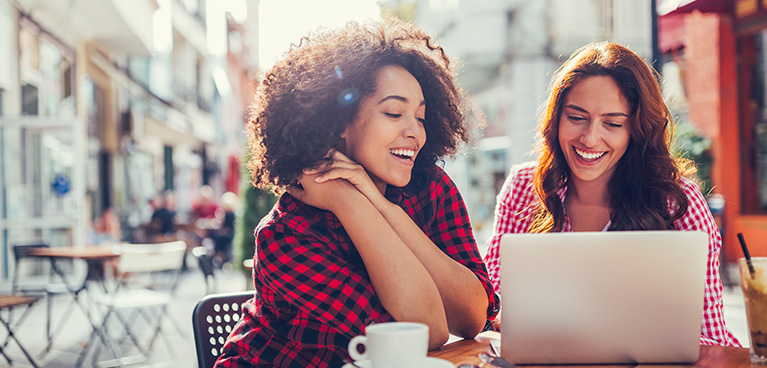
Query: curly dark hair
x,y
645,180
313,93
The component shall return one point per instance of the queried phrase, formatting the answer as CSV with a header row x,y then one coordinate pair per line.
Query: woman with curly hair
x,y
604,165
352,123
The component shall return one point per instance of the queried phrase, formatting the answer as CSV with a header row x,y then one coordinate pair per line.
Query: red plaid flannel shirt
x,y
313,291
513,214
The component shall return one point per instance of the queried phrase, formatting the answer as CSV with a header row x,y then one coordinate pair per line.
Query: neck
x,y
381,187
592,193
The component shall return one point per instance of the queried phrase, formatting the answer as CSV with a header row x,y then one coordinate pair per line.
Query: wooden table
x,y
9,302
94,255
466,352
87,252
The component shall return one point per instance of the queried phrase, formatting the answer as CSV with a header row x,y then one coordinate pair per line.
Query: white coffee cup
x,y
392,344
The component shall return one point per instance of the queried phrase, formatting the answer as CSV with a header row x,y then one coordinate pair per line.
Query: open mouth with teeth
x,y
405,154
589,156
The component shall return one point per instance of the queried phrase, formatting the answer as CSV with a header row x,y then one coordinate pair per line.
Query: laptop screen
x,y
602,297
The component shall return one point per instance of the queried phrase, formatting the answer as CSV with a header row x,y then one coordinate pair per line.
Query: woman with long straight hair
x,y
604,164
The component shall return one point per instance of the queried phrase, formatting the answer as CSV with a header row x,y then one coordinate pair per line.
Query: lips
x,y
403,153
589,156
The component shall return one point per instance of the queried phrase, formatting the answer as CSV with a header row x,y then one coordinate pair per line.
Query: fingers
x,y
342,163
321,166
338,156
333,156
341,170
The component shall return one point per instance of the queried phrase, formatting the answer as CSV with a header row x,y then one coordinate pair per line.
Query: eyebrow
x,y
398,98
575,107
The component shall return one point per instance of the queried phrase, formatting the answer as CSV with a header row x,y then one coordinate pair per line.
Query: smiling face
x,y
594,129
388,132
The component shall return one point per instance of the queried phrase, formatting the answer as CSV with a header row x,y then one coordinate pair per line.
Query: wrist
x,y
385,207
347,200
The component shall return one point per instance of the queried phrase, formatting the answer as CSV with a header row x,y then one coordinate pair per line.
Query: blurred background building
x,y
104,104
510,49
718,53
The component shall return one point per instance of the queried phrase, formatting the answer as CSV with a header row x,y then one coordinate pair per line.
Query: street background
x,y
124,121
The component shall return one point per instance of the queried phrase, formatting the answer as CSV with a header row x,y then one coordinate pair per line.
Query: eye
x,y
613,125
422,120
576,119
393,116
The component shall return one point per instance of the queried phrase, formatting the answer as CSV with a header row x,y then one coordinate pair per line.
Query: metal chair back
x,y
20,252
137,292
212,321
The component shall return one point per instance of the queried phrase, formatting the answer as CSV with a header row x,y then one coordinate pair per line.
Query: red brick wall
x,y
711,84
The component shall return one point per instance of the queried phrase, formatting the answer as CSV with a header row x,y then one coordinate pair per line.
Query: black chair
x,y
205,261
212,321
22,252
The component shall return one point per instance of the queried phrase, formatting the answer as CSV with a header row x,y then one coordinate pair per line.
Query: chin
x,y
401,182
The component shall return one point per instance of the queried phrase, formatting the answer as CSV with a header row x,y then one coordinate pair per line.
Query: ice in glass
x,y
753,282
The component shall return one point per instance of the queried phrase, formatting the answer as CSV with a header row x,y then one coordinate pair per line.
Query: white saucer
x,y
428,363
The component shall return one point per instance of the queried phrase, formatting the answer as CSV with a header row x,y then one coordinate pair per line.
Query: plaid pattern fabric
x,y
514,212
313,291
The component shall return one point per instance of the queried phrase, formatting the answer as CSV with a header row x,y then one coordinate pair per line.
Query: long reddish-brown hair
x,y
644,191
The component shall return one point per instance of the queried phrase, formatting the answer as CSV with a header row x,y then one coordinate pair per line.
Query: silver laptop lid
x,y
602,297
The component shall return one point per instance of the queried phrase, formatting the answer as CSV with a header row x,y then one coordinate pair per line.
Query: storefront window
x,y
755,133
46,73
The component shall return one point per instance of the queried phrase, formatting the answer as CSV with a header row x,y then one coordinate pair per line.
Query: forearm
x,y
402,283
463,295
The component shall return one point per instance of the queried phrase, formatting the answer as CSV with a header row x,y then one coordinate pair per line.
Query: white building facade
x,y
510,49
106,103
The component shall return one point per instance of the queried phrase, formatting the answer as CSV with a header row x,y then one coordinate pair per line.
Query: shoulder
x,y
442,182
524,169
289,217
430,187
520,179
698,215
691,191
523,173
436,196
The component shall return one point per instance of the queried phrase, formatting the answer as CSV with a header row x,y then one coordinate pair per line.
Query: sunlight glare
x,y
282,22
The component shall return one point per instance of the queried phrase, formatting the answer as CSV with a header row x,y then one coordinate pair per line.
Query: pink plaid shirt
x,y
514,212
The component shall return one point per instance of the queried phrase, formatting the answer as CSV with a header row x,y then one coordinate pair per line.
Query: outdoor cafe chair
x,y
139,289
212,320
205,262
23,257
9,302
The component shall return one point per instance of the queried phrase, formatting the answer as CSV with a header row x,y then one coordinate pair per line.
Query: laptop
x,y
602,297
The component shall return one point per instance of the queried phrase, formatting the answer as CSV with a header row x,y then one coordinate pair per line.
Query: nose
x,y
414,129
590,134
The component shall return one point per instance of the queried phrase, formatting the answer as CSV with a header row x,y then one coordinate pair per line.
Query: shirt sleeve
x,y
302,268
501,225
514,210
698,217
452,232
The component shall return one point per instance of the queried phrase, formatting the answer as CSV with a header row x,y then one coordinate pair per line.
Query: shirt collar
x,y
394,194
